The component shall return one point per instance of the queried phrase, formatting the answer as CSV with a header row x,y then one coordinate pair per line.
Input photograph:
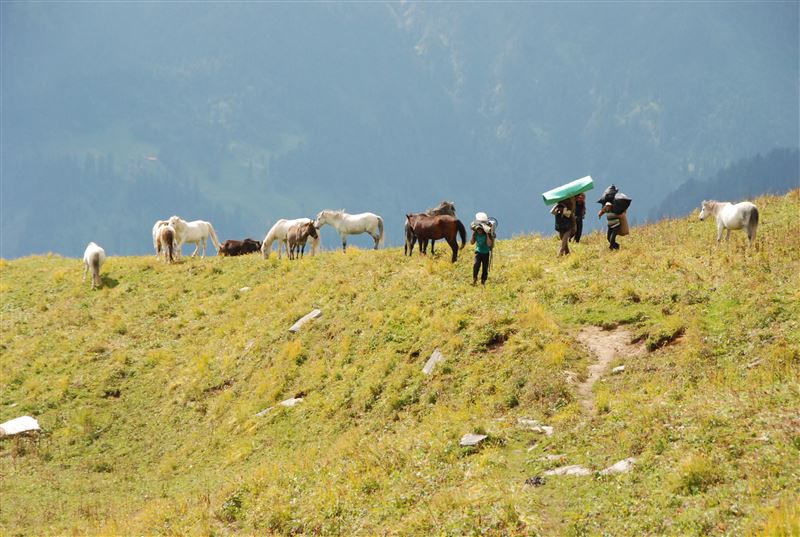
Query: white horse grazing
x,y
743,215
93,258
352,224
197,232
280,232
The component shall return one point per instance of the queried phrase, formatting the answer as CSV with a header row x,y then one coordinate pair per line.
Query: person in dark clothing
x,y
580,213
483,244
564,211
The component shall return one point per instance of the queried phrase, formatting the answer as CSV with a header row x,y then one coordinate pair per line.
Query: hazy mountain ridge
x,y
281,110
776,173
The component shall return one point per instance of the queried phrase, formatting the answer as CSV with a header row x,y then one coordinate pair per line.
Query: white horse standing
x,y
742,215
93,258
352,224
280,232
197,232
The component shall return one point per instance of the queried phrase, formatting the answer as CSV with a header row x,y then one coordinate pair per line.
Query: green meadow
x,y
147,390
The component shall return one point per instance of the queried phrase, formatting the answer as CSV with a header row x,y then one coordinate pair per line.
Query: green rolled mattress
x,y
567,191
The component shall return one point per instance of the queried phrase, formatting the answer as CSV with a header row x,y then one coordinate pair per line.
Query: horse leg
x,y
85,270
376,238
344,243
196,248
433,242
727,235
204,249
454,246
719,232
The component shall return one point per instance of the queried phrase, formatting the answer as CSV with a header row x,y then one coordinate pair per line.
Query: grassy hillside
x,y
148,390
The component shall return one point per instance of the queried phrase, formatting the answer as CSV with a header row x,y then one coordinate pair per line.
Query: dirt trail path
x,y
605,345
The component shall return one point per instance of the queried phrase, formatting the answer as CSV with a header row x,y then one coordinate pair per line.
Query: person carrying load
x,y
564,211
484,231
615,204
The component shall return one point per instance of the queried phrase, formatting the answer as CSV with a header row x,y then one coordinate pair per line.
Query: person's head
x,y
479,230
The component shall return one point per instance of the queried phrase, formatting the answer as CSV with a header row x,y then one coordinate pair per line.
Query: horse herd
x,y
170,235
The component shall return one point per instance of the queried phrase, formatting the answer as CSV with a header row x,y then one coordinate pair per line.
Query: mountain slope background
x,y
114,115
148,390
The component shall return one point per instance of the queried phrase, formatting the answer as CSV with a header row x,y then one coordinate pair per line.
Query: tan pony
x,y
297,237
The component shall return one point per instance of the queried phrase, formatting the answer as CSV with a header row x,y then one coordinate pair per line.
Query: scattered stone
x,y
535,481
553,458
313,314
620,467
19,425
435,358
528,423
531,447
244,289
535,426
292,401
472,439
618,369
572,469
248,347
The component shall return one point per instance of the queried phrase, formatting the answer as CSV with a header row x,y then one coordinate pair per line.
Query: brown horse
x,y
297,237
445,227
445,207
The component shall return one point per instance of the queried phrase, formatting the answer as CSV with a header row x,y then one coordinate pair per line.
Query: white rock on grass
x,y
535,426
292,401
472,439
313,314
620,467
244,289
435,358
618,369
19,425
572,469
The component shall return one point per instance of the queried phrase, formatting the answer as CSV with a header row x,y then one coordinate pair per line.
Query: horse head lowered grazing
x,y
742,215
280,231
197,232
93,258
352,224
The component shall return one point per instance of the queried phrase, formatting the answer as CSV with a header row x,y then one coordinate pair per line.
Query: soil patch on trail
x,y
605,345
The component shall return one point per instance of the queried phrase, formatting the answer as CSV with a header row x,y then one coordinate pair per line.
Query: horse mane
x,y
334,212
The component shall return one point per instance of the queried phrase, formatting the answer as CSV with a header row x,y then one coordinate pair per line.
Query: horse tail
x,y
380,229
752,225
213,235
170,246
463,232
95,262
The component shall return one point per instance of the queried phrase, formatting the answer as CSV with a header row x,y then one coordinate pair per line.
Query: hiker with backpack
x,y
615,204
564,212
580,213
483,235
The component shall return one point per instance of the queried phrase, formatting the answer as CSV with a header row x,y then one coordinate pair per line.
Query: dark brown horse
x,y
445,227
445,207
